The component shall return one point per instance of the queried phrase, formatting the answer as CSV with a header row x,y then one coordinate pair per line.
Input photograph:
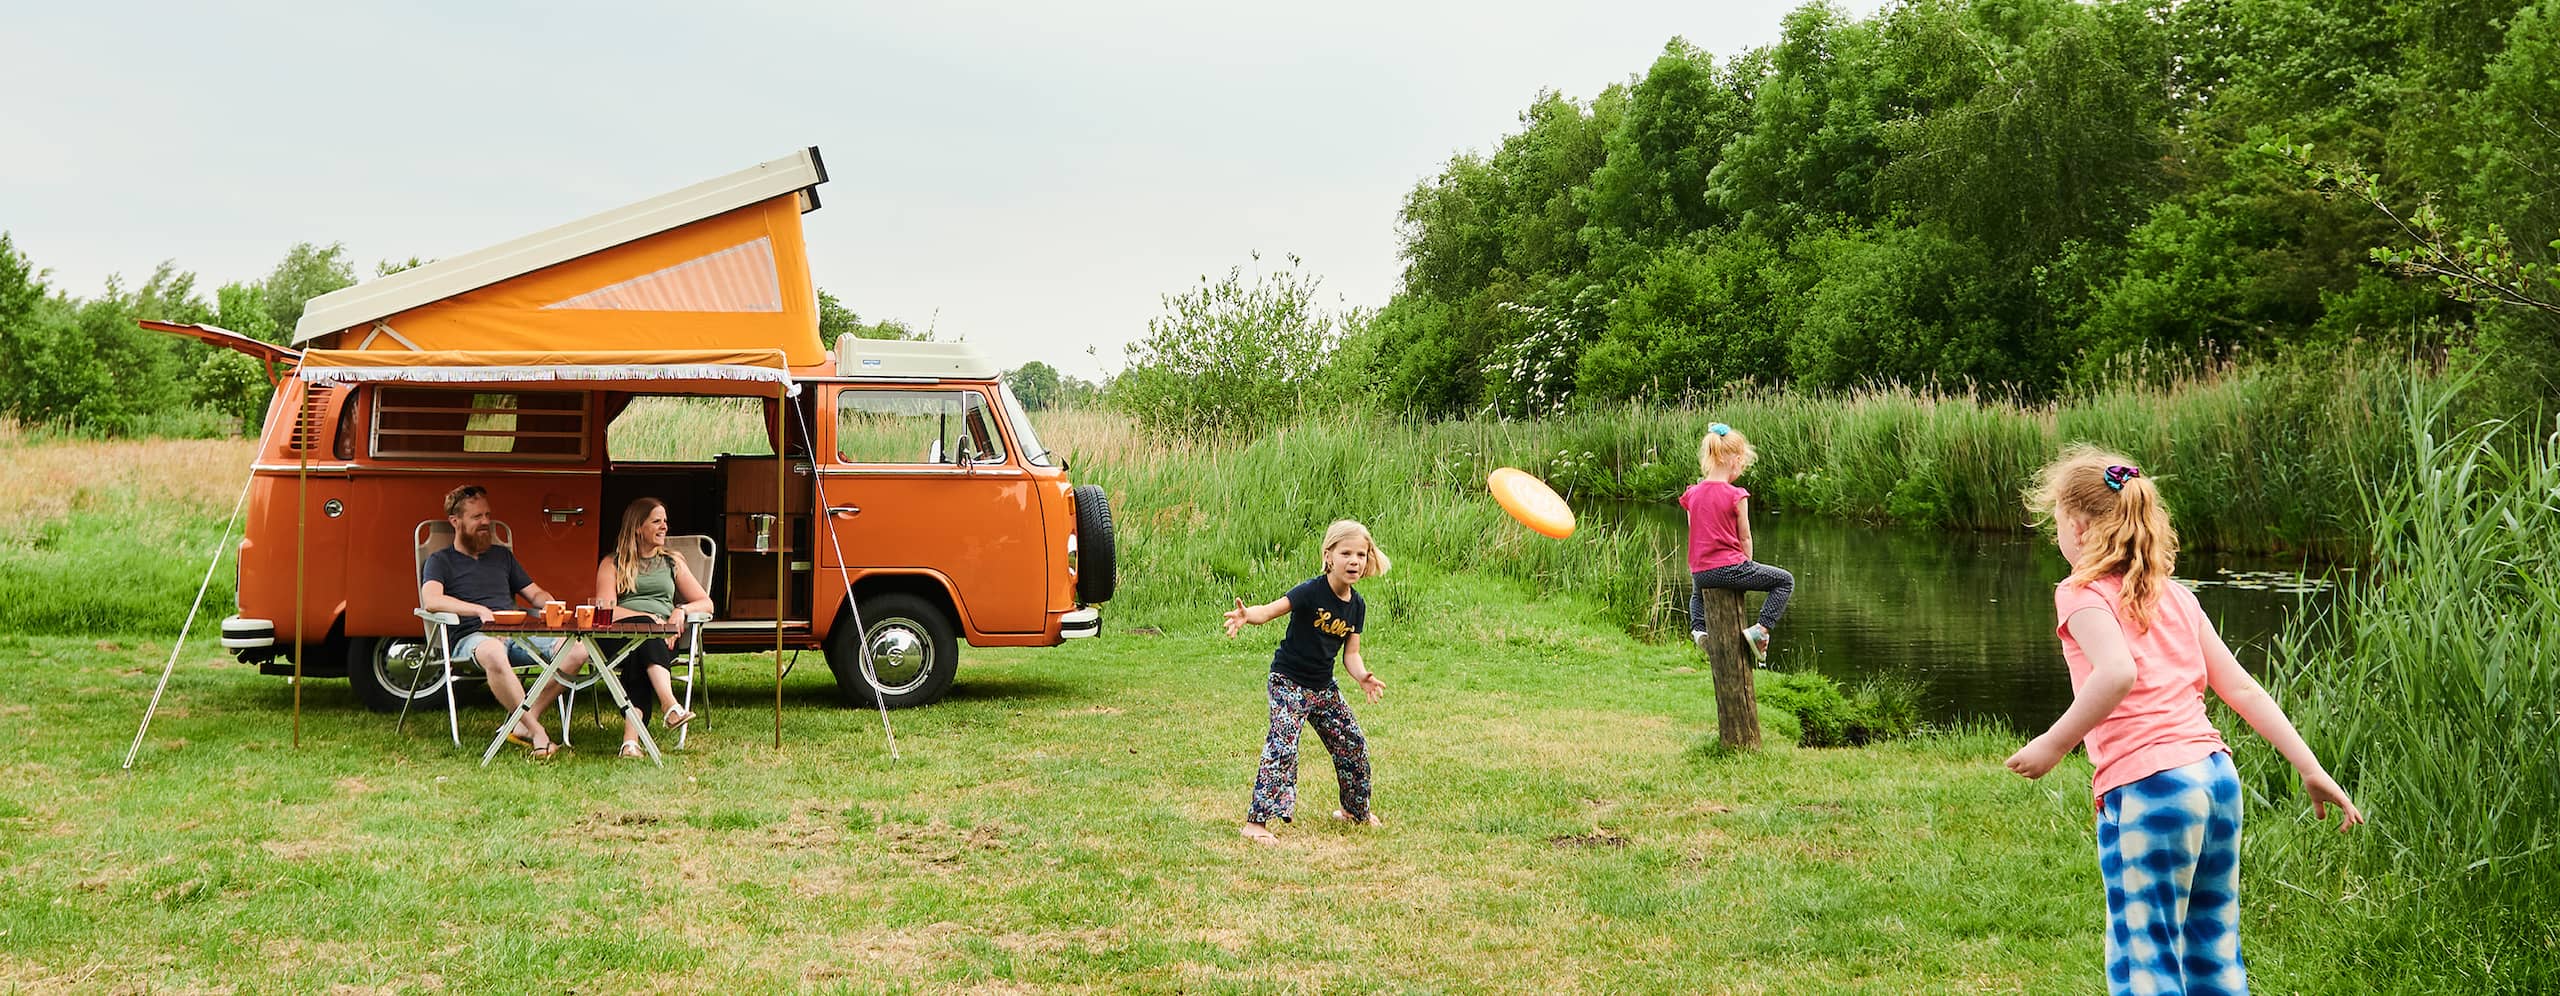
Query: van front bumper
x,y
1085,621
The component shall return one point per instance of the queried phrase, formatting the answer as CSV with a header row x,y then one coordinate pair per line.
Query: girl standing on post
x,y
1325,619
2168,802
1720,540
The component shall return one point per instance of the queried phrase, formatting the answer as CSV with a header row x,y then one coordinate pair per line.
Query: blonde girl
x,y
1325,619
642,581
1720,539
2141,654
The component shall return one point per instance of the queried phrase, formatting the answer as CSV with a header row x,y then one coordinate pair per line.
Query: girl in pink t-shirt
x,y
2141,654
1720,540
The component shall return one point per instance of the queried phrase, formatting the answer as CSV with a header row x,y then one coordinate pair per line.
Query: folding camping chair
x,y
697,552
430,536
700,556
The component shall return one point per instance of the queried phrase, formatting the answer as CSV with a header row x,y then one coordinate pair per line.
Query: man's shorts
x,y
517,656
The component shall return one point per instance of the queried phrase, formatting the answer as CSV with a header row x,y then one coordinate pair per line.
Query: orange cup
x,y
586,616
554,613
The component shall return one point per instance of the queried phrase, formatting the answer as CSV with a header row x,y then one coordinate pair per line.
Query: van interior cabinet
x,y
753,534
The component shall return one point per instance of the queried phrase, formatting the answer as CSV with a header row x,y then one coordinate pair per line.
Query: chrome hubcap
x,y
900,655
402,668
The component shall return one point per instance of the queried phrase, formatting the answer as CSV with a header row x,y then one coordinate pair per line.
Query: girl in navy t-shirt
x,y
1325,619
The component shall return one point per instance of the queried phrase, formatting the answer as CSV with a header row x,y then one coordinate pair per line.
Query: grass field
x,y
1065,822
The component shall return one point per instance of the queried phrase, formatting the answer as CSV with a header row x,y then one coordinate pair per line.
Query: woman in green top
x,y
641,580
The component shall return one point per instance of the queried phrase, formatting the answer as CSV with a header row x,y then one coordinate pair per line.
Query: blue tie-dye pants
x,y
2169,848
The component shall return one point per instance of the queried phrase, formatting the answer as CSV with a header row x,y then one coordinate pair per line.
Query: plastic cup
x,y
586,616
554,613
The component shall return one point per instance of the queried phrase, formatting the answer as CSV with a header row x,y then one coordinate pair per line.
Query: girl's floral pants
x,y
1275,784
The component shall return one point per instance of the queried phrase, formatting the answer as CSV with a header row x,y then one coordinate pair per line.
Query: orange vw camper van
x,y
904,473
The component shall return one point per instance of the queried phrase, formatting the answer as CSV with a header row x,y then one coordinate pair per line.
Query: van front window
x,y
1032,451
917,427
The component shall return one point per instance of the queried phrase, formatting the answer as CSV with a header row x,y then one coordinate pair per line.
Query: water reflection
x,y
1967,616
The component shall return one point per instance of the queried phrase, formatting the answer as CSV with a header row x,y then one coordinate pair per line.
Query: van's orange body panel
x,y
991,536
475,369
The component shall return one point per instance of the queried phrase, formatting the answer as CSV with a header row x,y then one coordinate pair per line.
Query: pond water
x,y
1968,617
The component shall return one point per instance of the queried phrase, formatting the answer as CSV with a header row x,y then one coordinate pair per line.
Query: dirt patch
x,y
305,848
1100,710
939,846
872,954
810,827
1595,840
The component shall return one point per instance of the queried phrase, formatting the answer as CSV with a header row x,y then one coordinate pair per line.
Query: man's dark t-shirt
x,y
1318,626
491,579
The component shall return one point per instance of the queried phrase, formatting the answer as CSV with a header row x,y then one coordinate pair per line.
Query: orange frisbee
x,y
1531,501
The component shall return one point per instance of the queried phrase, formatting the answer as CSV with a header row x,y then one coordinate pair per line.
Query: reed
x,y
2434,700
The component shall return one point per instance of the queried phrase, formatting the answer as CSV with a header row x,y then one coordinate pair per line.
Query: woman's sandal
x,y
543,752
631,748
676,718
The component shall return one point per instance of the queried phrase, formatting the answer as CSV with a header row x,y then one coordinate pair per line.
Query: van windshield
x,y
1032,451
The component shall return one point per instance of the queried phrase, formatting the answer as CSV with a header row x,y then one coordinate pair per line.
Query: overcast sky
x,y
1031,177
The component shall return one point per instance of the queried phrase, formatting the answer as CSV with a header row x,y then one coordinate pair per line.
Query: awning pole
x,y
301,550
190,625
782,550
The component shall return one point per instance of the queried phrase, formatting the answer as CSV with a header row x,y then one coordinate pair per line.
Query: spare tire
x,y
1097,562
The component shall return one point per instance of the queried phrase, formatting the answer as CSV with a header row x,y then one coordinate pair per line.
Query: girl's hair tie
x,y
2117,475
1719,428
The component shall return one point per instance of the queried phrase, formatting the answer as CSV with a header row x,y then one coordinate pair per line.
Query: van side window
x,y
917,427
436,424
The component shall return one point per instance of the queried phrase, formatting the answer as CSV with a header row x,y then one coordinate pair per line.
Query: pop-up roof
x,y
719,265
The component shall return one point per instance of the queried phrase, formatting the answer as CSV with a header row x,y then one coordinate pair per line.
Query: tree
x,y
1228,356
307,271
835,321
1035,384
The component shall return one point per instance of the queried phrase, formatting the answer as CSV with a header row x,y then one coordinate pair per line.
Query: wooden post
x,y
1737,709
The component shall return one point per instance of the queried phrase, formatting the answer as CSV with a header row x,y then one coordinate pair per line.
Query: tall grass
x,y
111,536
2438,703
2255,459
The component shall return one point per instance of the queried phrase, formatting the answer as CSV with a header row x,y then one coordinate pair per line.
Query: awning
x,y
760,372
214,335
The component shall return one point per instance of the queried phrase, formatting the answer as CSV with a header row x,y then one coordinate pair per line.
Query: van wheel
x,y
387,671
914,651
1097,560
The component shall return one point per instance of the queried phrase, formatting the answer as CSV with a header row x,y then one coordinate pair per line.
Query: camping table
x,y
571,634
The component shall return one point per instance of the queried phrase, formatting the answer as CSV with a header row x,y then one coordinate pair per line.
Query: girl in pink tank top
x,y
2141,654
1720,540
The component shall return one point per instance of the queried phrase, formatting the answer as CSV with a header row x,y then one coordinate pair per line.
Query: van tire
x,y
1097,558
381,681
914,648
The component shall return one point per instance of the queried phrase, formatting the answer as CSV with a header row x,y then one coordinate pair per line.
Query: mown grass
x,y
1063,823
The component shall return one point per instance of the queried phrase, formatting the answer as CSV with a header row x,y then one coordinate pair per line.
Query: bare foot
x,y
1257,833
1373,819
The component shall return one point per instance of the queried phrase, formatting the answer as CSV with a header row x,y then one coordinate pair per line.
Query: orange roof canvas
x,y
721,265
